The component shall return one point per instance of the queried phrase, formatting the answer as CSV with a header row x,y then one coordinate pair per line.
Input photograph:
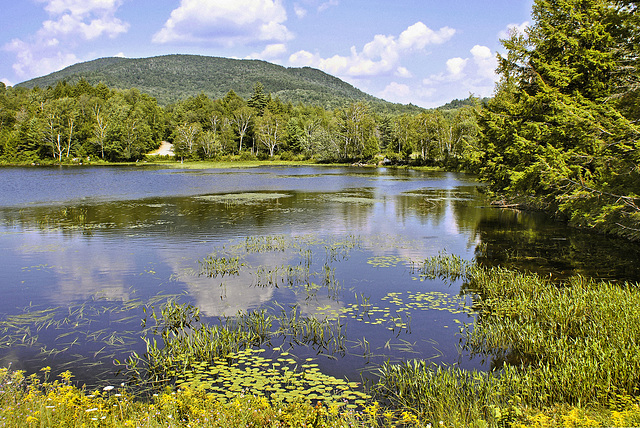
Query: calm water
x,y
83,250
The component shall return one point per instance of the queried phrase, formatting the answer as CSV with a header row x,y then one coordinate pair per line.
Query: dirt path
x,y
165,149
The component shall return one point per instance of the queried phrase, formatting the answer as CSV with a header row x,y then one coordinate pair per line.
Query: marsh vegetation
x,y
276,296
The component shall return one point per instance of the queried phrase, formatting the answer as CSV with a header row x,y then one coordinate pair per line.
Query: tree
x,y
100,128
555,133
404,131
269,128
357,126
186,139
60,119
242,120
258,100
210,144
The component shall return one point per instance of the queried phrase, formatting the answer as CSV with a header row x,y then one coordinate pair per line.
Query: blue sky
x,y
425,52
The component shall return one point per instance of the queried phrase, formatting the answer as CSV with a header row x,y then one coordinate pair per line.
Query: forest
x,y
80,121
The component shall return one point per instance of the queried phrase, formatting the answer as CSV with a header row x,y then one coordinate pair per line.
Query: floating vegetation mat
x,y
353,200
388,261
280,379
243,198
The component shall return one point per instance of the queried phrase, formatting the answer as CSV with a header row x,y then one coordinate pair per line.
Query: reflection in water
x,y
532,242
352,235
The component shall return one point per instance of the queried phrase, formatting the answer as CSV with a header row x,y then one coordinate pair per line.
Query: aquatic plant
x,y
445,265
574,342
32,402
179,340
214,266
244,198
441,393
281,379
570,344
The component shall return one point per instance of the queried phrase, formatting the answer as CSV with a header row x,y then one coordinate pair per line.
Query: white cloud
x,y
71,22
120,55
403,72
270,52
518,28
455,67
80,7
397,92
419,35
226,22
464,76
405,94
486,62
380,56
7,82
74,25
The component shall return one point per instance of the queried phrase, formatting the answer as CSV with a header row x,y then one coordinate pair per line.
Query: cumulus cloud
x,y
403,72
226,22
405,94
455,67
485,61
71,23
463,76
380,56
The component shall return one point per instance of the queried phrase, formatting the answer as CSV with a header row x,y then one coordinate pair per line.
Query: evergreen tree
x,y
554,134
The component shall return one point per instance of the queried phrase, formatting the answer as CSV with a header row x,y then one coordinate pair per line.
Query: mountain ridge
x,y
171,78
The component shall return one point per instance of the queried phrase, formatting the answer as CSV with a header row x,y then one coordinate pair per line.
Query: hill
x,y
172,78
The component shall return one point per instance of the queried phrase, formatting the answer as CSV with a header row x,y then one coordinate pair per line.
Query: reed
x,y
442,393
576,342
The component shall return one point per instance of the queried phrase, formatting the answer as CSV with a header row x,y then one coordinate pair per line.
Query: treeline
x,y
79,121
562,132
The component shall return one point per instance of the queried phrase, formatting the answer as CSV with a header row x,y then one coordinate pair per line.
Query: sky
x,y
424,52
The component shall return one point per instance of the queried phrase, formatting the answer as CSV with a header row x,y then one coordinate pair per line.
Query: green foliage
x,y
550,345
173,78
561,129
78,122
69,122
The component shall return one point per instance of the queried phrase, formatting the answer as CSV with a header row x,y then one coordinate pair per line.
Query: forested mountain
x,y
173,78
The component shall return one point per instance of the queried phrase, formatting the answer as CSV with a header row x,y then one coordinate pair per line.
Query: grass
x,y
570,349
575,342
28,402
33,402
235,163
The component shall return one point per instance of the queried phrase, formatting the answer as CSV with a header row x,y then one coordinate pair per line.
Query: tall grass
x,y
575,343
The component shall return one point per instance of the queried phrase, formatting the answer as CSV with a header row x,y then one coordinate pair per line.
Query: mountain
x,y
172,78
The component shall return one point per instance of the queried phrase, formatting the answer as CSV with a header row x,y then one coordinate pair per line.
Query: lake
x,y
88,252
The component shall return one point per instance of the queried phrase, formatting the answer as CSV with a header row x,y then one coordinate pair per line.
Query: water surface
x,y
84,250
